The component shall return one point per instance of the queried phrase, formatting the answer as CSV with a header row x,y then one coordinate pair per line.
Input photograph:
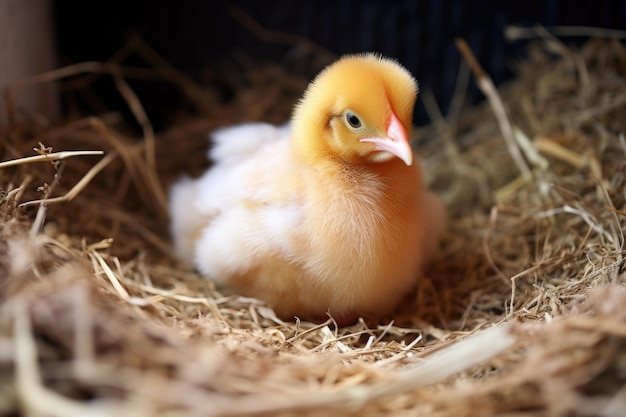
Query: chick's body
x,y
326,214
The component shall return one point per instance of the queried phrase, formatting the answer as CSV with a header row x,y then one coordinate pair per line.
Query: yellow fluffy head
x,y
350,105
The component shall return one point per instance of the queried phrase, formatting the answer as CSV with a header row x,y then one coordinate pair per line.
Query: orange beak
x,y
396,142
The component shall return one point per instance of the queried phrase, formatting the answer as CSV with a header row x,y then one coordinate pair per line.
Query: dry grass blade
x,y
445,363
552,148
56,156
148,134
116,71
489,90
80,185
513,33
36,398
278,37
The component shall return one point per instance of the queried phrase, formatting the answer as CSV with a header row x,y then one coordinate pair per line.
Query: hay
x,y
523,313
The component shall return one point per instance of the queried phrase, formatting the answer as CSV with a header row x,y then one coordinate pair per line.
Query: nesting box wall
x,y
193,35
27,48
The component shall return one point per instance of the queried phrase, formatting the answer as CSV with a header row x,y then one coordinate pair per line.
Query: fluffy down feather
x,y
325,214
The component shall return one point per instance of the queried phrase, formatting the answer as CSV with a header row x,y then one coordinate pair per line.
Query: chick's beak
x,y
396,141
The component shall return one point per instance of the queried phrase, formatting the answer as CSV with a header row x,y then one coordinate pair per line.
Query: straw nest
x,y
522,313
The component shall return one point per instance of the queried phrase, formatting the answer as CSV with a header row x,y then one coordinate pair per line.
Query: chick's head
x,y
358,109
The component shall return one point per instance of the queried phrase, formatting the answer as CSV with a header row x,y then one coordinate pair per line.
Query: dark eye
x,y
353,120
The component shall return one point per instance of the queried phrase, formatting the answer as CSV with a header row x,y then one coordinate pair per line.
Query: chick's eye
x,y
353,120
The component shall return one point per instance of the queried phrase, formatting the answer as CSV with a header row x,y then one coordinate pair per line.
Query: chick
x,y
327,214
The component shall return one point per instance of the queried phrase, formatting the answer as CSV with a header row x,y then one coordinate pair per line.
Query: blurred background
x,y
194,35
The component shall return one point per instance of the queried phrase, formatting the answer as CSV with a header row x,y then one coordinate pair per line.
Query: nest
x,y
522,313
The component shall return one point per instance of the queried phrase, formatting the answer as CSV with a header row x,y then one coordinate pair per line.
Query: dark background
x,y
194,34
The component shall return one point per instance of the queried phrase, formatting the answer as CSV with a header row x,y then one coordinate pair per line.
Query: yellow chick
x,y
327,214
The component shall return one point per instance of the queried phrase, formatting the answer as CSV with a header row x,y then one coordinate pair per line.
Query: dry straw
x,y
523,313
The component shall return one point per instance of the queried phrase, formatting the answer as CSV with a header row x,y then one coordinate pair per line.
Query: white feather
x,y
185,219
222,222
235,143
